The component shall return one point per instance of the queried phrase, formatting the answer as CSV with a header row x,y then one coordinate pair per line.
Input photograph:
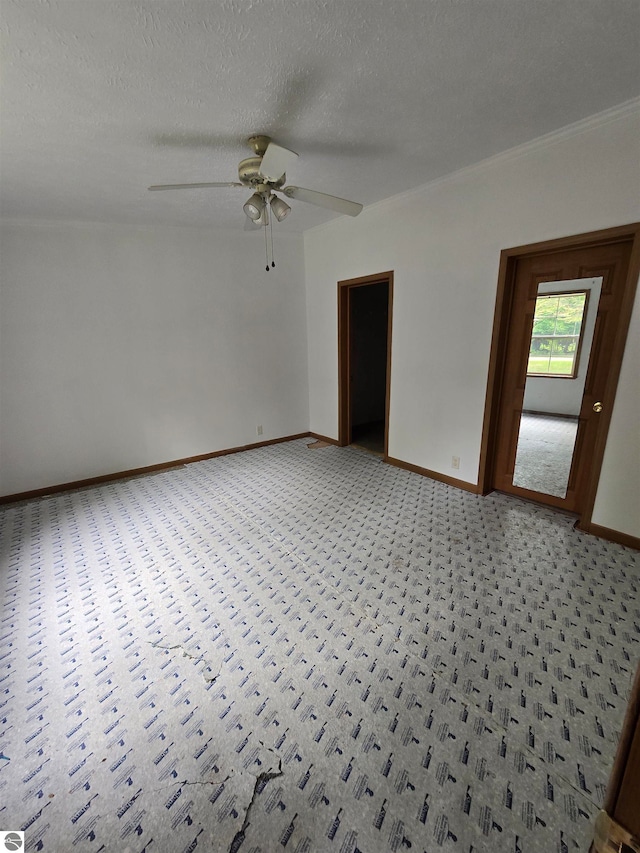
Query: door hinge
x,y
610,837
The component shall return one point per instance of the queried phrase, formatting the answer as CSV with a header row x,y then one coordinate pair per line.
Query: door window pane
x,y
557,334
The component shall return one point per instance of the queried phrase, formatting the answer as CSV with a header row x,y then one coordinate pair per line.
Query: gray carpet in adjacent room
x,y
545,453
307,650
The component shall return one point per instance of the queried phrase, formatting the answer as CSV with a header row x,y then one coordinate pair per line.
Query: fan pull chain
x,y
266,252
273,263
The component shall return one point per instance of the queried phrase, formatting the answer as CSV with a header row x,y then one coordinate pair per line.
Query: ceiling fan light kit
x,y
279,208
254,207
265,173
263,219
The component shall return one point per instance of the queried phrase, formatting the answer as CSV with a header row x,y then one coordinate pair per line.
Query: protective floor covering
x,y
307,651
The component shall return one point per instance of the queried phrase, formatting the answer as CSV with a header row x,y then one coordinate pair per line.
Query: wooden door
x,y
610,261
618,824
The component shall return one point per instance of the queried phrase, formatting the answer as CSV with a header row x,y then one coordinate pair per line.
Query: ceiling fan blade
x,y
331,202
193,186
276,161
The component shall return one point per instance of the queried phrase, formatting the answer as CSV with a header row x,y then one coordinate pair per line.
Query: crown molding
x,y
555,137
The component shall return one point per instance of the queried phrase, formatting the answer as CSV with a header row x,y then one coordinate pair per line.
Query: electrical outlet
x,y
455,462
259,429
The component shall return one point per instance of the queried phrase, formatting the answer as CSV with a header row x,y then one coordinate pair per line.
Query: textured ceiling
x,y
101,98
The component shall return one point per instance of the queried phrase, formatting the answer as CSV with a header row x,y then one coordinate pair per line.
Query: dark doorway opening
x,y
364,361
368,319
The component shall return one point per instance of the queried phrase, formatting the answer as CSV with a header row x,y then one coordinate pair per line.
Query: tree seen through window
x,y
556,336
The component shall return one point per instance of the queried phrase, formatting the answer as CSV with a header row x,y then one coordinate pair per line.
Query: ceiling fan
x,y
264,173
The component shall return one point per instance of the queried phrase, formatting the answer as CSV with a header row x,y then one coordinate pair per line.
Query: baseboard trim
x,y
593,529
137,472
434,475
611,535
324,438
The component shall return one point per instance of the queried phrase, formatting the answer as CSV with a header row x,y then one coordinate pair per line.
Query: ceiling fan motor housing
x,y
249,175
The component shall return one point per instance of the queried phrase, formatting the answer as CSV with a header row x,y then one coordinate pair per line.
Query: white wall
x,y
443,243
618,501
124,347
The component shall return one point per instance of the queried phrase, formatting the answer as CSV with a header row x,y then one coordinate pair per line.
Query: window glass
x,y
557,334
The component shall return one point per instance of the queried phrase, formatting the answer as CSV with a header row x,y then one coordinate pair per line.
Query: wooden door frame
x,y
344,303
621,802
502,319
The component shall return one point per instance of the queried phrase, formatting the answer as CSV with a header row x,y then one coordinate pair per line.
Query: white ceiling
x,y
101,98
